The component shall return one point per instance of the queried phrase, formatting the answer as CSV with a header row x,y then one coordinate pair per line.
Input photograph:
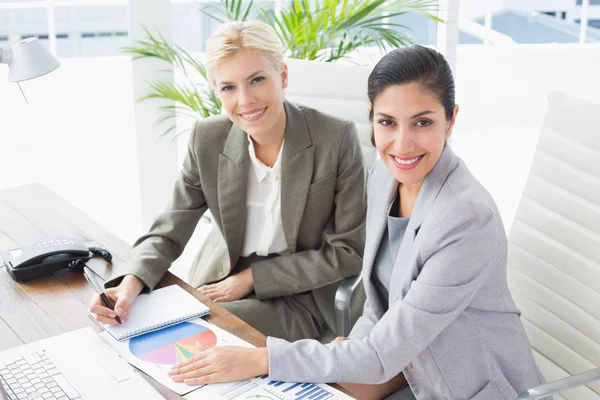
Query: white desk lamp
x,y
27,59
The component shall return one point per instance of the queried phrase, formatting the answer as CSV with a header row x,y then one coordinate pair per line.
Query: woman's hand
x,y
233,288
221,364
121,296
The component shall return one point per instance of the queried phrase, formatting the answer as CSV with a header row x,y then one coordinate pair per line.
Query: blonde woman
x,y
285,185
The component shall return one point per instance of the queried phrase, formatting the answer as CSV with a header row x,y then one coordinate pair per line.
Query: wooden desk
x,y
55,304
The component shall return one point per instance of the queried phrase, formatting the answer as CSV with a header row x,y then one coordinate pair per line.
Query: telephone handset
x,y
48,256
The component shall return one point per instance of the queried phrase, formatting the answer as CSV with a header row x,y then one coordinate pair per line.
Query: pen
x,y
90,276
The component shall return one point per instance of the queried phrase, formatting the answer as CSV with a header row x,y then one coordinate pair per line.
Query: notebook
x,y
161,308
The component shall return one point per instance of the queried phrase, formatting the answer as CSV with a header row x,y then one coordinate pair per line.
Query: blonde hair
x,y
235,36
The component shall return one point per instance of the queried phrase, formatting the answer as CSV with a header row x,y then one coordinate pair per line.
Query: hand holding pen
x,y
122,296
98,287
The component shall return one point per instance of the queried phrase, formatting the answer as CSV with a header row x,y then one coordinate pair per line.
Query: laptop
x,y
77,365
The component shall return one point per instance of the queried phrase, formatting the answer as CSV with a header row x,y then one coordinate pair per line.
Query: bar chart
x,y
261,388
297,391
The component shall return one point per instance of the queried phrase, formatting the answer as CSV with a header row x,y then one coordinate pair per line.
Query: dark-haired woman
x,y
438,315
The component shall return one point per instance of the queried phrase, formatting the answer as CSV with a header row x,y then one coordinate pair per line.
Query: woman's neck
x,y
408,198
267,147
267,154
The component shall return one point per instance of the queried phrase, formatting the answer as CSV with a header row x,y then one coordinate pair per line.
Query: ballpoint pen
x,y
90,276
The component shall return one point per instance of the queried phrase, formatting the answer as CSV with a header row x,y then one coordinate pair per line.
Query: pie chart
x,y
172,344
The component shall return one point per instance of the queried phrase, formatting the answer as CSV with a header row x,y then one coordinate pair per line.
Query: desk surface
x,y
55,304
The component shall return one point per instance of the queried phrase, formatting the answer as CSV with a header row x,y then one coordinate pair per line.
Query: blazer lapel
x,y
296,170
376,224
232,179
435,180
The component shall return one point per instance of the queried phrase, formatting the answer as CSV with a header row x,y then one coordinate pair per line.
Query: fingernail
x,y
119,311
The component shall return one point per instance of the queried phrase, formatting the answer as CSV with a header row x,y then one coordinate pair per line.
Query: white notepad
x,y
160,308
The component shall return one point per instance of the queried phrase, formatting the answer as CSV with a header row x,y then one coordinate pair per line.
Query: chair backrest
x,y
337,89
554,244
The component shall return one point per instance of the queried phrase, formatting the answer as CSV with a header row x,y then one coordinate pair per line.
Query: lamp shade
x,y
30,59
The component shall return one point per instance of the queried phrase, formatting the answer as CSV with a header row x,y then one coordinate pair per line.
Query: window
x,y
19,23
594,23
78,30
190,26
41,36
592,2
526,22
95,31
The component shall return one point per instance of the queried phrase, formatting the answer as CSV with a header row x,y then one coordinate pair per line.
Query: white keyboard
x,y
34,377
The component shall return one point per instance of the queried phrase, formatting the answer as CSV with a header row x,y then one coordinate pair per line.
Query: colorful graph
x,y
172,344
297,391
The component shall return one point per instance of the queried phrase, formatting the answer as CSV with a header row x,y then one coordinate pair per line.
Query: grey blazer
x,y
323,207
452,327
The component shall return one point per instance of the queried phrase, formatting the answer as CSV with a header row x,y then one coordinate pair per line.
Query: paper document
x,y
163,307
156,352
263,389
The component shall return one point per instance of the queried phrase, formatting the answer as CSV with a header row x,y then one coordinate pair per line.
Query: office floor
x,y
103,182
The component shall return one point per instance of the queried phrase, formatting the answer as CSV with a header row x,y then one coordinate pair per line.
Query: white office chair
x,y
554,251
339,90
336,89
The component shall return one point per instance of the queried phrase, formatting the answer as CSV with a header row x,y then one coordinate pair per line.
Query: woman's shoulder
x,y
211,130
463,187
464,198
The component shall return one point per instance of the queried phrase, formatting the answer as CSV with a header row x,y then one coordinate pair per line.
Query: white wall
x,y
477,8
77,136
570,6
508,85
541,5
502,92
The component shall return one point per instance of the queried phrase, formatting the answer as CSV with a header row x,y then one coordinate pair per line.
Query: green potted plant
x,y
320,30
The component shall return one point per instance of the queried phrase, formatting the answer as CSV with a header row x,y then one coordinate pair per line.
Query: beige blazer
x,y
323,207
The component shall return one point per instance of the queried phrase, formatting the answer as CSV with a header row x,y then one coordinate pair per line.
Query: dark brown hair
x,y
418,64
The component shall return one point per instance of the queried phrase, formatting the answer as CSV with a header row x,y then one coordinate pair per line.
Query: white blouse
x,y
264,230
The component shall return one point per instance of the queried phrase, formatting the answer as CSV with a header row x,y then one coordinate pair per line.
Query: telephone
x,y
48,256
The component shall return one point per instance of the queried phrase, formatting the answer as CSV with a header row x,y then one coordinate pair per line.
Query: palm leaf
x,y
188,99
323,30
328,30
229,10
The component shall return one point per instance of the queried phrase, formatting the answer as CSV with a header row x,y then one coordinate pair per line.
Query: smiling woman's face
x,y
251,91
410,129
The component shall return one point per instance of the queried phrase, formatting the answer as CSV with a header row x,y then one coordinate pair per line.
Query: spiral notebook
x,y
160,308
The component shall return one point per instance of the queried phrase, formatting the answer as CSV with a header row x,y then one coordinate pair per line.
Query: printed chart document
x,y
161,308
263,389
156,352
